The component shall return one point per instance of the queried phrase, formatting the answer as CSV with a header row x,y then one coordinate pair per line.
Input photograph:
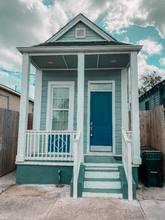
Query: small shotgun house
x,y
80,130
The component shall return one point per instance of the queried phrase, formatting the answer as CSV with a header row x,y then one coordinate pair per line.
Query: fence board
x,y
9,121
152,129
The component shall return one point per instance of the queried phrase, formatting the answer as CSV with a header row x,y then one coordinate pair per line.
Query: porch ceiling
x,y
70,61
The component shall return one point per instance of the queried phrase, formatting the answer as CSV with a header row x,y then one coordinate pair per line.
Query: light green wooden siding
x,y
56,76
89,75
153,98
105,75
90,34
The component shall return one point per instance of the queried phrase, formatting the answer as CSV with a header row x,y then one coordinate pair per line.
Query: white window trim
x,y
60,84
80,36
113,117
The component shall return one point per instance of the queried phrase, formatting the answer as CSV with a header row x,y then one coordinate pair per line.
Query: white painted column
x,y
80,99
135,109
24,102
37,100
124,98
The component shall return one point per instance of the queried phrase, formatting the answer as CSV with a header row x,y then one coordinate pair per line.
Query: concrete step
x,y
102,174
108,193
102,183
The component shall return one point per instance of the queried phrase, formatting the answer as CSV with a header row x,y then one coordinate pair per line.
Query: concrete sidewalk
x,y
39,202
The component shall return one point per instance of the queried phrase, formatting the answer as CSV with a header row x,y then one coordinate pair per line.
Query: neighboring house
x,y
81,113
153,98
10,99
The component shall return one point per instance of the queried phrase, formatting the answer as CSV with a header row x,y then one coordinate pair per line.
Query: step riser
x,y
102,185
107,165
101,168
103,195
96,174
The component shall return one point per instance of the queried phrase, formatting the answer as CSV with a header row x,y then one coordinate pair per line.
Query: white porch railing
x,y
77,162
49,145
127,159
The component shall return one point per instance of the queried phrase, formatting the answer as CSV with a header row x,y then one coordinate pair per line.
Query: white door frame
x,y
113,117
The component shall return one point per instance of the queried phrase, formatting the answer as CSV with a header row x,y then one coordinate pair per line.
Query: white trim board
x,y
76,49
113,117
60,84
45,163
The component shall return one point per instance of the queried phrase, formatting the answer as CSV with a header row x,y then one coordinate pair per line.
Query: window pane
x,y
60,120
101,86
61,98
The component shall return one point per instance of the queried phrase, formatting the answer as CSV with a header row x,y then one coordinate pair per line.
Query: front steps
x,y
102,182
103,176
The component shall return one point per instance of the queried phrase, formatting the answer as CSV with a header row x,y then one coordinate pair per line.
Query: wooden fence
x,y
9,121
152,129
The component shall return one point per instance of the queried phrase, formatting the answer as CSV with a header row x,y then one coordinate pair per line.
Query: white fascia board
x,y
86,22
78,49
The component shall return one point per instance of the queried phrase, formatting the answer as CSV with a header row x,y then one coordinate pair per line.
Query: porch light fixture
x,y
49,62
113,61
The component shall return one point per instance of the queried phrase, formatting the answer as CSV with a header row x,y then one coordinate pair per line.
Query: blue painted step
x,y
101,159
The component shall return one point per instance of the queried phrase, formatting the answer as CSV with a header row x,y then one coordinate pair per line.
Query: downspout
x,y
8,104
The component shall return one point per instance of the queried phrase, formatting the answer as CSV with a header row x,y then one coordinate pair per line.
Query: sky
x,y
28,22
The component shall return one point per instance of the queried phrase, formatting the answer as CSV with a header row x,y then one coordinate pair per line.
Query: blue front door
x,y
101,121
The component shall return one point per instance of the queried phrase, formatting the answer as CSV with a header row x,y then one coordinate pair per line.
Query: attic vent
x,y
80,32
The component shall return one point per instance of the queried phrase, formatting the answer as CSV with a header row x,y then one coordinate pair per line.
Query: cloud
x,y
144,68
150,46
10,58
122,14
126,40
162,61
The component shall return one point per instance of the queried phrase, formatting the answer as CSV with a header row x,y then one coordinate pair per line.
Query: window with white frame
x,y
61,106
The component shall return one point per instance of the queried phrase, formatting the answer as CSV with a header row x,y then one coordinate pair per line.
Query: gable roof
x,y
159,85
12,91
87,22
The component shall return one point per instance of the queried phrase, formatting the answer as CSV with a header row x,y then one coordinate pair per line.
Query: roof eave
x,y
76,49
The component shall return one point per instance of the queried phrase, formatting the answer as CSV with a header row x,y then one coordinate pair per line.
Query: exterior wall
x,y
89,75
56,76
105,75
41,174
14,101
153,98
90,34
162,97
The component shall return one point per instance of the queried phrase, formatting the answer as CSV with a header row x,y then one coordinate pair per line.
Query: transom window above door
x,y
101,86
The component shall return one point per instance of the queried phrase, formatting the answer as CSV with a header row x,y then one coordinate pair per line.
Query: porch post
x,y
124,98
80,100
37,100
24,102
135,109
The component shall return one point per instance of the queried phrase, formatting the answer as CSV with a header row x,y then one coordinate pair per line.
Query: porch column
x,y
80,99
135,109
124,98
24,102
37,100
